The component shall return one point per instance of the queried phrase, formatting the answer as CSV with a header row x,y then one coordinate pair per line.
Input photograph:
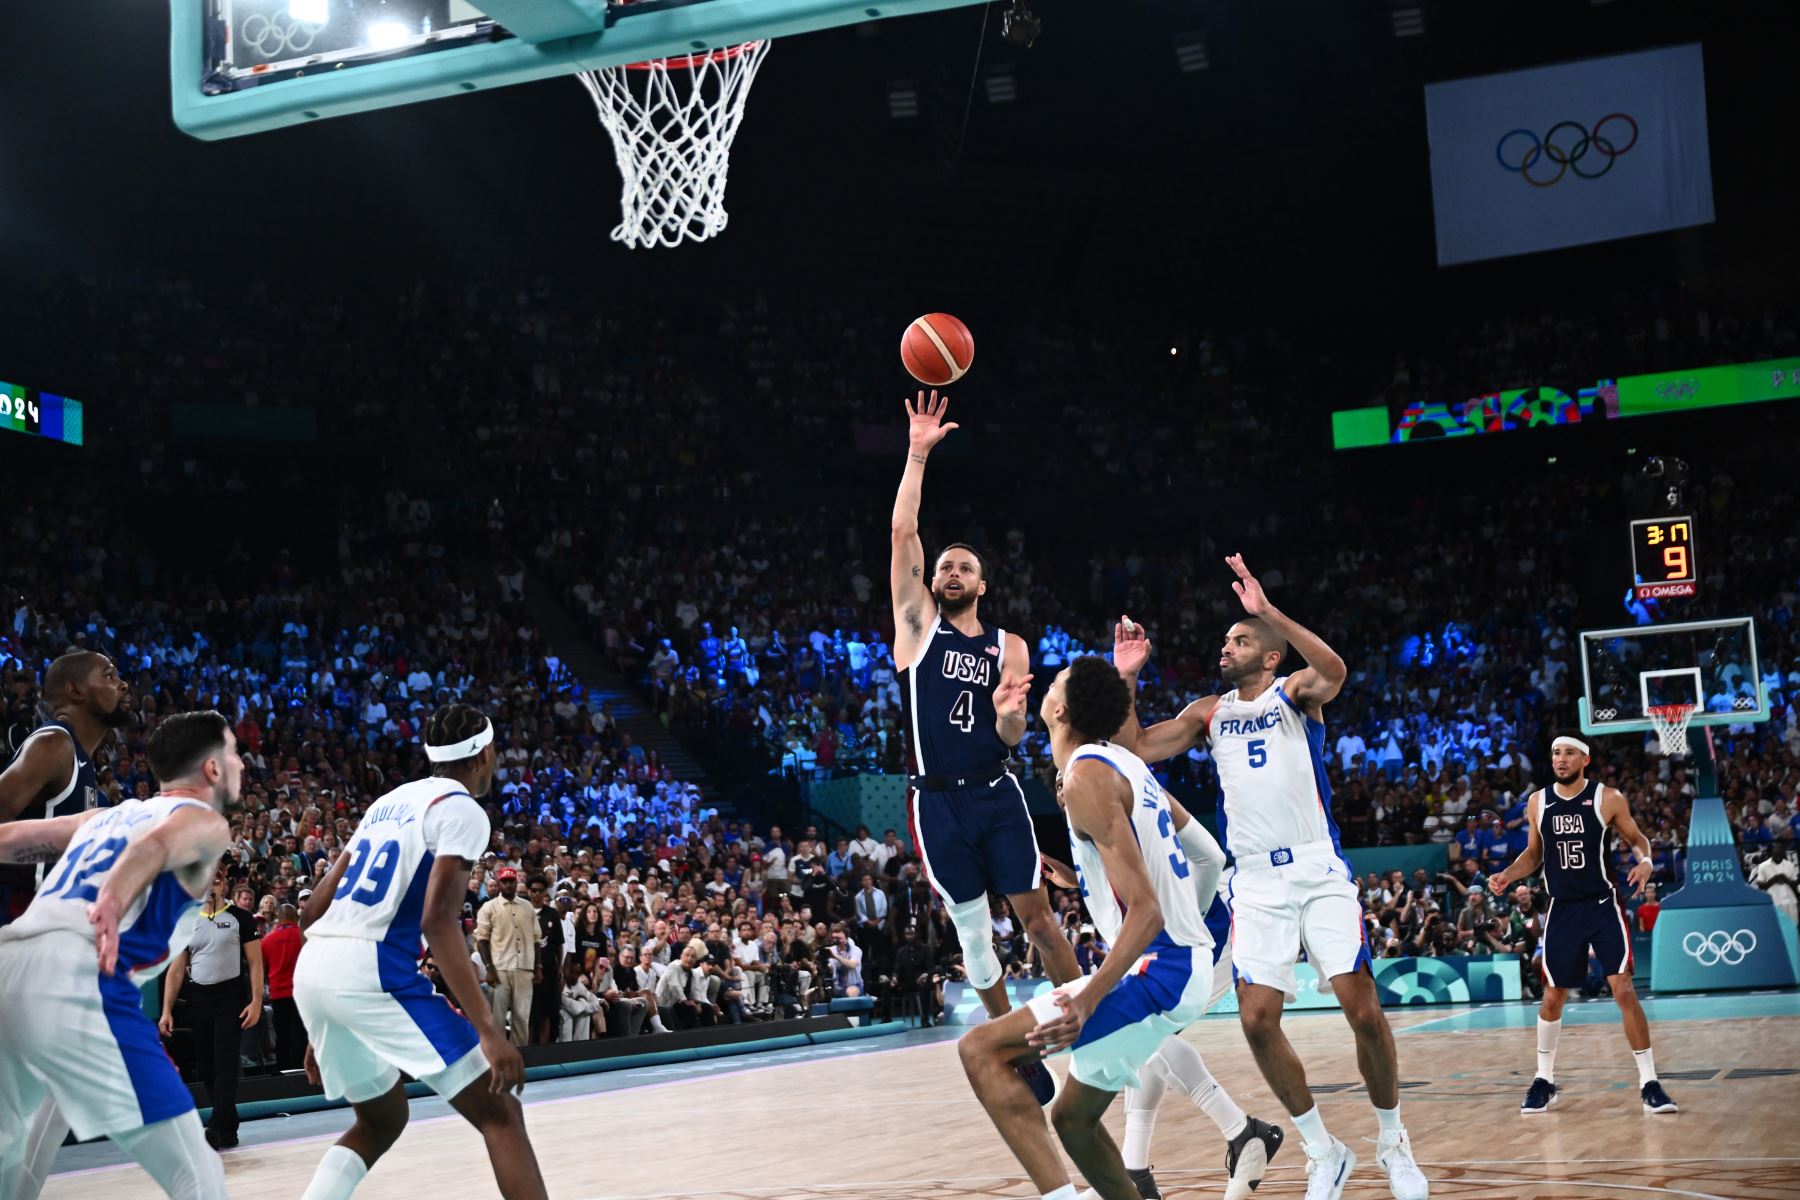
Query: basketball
x,y
937,349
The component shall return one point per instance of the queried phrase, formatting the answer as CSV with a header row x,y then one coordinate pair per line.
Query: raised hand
x,y
925,421
1010,696
1248,590
1131,646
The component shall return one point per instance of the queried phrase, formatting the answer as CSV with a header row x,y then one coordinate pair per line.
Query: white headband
x,y
464,749
1572,743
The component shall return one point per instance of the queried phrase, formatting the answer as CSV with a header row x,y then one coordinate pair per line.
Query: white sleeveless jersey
x,y
381,897
1271,759
160,918
1154,825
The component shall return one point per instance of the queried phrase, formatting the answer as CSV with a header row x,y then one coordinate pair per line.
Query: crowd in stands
x,y
712,519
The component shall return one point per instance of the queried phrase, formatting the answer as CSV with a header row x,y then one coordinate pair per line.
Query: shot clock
x,y
1662,557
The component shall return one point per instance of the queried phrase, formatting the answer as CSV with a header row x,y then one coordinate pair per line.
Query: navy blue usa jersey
x,y
1576,865
948,700
80,793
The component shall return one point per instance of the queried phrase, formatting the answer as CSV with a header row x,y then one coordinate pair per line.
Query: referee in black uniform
x,y
219,980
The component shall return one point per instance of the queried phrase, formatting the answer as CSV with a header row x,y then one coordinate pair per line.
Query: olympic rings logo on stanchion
x,y
1576,144
277,35
1711,949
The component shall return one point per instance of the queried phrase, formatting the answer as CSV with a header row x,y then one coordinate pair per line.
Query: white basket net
x,y
672,123
1671,724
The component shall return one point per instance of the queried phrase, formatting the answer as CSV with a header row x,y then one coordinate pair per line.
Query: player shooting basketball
x,y
1293,890
964,687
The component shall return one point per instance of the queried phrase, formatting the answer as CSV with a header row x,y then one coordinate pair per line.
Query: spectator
x,y
847,960
582,1016
680,994
281,949
506,934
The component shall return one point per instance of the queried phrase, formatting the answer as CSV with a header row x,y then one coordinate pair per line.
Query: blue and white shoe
x,y
1655,1099
1328,1170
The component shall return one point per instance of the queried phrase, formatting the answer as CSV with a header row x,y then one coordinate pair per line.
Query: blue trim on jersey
x,y
397,967
155,1083
1310,719
449,1032
403,931
1157,989
1315,748
1218,923
146,943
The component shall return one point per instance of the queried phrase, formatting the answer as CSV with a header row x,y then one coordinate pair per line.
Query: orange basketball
x,y
937,349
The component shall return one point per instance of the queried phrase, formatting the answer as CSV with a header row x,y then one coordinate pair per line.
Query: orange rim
x,y
687,62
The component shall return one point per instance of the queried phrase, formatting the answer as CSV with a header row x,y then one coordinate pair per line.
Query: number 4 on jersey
x,y
962,713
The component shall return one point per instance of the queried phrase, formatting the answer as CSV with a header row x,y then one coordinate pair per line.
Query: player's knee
x,y
976,1048
1624,992
1070,1123
1261,1025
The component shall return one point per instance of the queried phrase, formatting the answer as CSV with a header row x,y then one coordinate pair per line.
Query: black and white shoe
x,y
1247,1156
1146,1184
1539,1099
1655,1099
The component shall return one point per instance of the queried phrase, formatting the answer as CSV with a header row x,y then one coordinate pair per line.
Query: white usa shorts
x,y
1293,902
370,1014
1165,992
80,1038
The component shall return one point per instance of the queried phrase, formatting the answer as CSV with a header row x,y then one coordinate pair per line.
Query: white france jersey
x,y
1153,824
1271,759
381,897
161,918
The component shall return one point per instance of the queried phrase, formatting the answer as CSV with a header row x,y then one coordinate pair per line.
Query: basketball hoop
x,y
672,122
1671,724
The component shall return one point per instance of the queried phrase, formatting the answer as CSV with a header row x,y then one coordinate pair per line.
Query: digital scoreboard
x,y
1662,558
40,414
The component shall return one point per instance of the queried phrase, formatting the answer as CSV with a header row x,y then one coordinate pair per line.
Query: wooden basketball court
x,y
893,1119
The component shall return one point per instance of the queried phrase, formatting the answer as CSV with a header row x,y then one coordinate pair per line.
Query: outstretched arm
x,y
188,837
1532,859
911,591
1165,739
1323,677
41,841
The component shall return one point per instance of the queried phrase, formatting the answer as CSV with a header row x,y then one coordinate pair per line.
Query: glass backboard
x,y
247,66
1709,664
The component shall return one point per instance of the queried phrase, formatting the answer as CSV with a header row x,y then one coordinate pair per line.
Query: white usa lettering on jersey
x,y
1171,877
1271,759
381,897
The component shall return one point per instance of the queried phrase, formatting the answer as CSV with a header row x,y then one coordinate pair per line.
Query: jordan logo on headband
x,y
466,748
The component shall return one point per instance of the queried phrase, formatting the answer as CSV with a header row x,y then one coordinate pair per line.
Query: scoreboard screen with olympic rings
x,y
40,414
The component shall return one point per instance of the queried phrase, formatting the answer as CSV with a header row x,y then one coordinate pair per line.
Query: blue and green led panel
x,y
40,414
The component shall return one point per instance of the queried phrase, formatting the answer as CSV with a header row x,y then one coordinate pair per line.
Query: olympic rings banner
x,y
1568,154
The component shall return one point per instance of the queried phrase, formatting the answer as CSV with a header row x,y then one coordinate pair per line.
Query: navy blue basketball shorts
x,y
976,840
1571,926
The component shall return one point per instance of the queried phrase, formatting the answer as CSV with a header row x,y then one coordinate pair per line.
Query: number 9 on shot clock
x,y
1663,563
